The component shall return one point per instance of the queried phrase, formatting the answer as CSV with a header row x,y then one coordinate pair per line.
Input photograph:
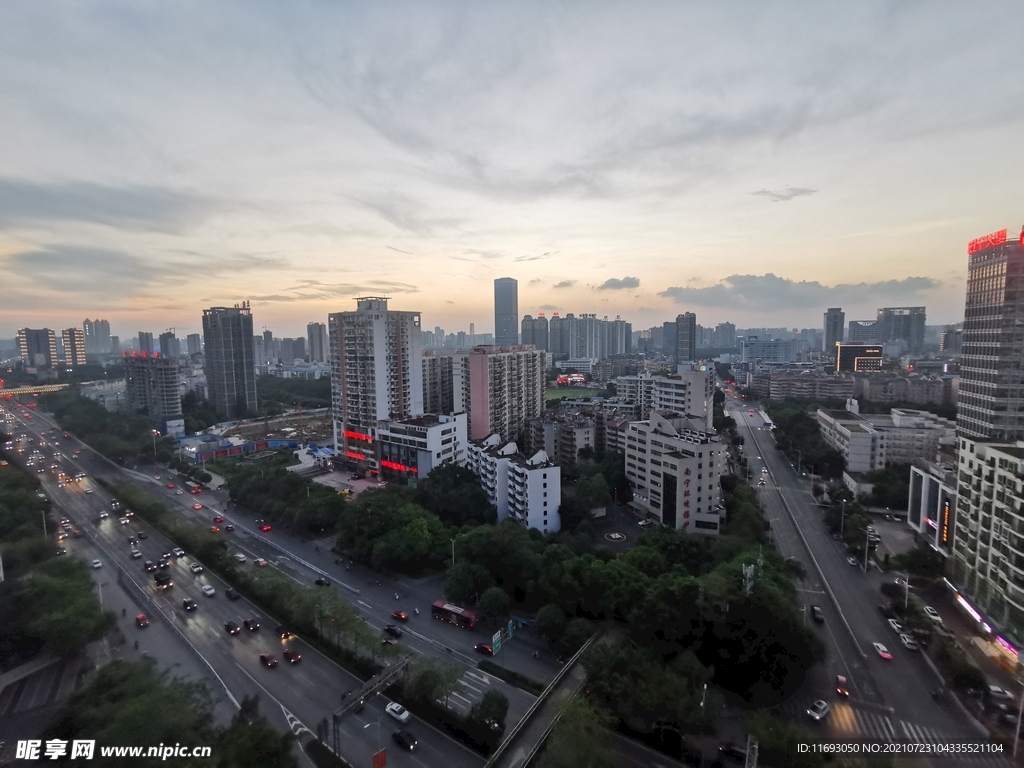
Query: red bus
x,y
193,487
460,617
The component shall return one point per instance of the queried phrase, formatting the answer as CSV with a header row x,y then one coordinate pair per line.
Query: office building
x,y
229,362
506,387
674,474
170,346
194,344
991,399
408,449
152,388
74,347
835,321
769,350
376,375
535,331
506,312
97,337
932,502
904,325
526,489
316,334
686,338
689,393
146,343
38,347
859,358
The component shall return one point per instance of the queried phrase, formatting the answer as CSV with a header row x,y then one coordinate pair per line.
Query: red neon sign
x,y
395,465
980,243
358,436
356,456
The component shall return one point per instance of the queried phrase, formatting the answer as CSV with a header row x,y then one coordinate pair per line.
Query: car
x,y
178,552
136,554
230,593
62,550
818,710
179,492
268,659
932,614
908,642
164,562
170,485
232,628
239,557
229,528
882,651
292,656
265,527
645,523
87,490
404,739
210,591
284,633
218,519
851,560
388,641
189,604
392,630
399,616
142,535
196,568
104,515
259,562
214,529
149,565
995,692
895,626
732,752
76,533
842,686
97,564
251,624
197,505
817,614
397,711
484,648
141,620
322,582
123,520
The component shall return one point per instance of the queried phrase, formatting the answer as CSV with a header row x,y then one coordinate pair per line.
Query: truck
x,y
163,580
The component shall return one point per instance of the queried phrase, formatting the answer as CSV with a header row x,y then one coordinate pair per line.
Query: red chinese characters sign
x,y
980,243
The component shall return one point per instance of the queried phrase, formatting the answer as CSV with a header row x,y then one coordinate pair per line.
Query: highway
x,y
890,700
293,696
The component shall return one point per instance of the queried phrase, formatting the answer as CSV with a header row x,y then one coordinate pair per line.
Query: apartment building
x,y
527,489
153,388
408,449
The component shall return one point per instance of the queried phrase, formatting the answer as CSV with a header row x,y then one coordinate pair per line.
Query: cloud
x,y
541,257
535,281
769,292
565,284
784,195
399,250
548,307
137,208
614,284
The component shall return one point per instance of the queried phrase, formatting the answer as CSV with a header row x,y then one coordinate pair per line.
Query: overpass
x,y
34,389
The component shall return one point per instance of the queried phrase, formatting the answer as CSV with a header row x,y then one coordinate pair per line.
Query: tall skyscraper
x,y
686,337
559,333
506,312
194,343
991,400
230,364
316,334
376,374
38,347
169,345
506,387
903,324
97,337
151,387
835,322
535,331
74,347
146,343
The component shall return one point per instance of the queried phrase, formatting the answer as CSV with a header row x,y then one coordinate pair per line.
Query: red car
x,y
197,506
218,519
170,485
265,527
214,529
292,656
400,615
268,659
141,620
484,648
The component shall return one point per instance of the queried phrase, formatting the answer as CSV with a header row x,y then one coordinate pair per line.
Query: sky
x,y
752,163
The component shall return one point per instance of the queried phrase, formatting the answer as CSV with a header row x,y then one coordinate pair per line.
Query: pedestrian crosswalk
x,y
472,686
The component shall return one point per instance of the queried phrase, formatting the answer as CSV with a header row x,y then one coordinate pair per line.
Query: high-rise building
x,y
835,321
194,343
146,343
725,336
506,387
97,337
152,388
506,311
991,399
668,339
74,347
293,349
376,374
38,347
230,364
905,325
445,384
535,331
560,333
686,337
170,346
859,358
316,333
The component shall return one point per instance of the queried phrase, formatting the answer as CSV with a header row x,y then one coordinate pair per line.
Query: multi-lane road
x,y
889,699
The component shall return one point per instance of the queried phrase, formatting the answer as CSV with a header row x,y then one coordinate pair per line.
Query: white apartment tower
x,y
376,374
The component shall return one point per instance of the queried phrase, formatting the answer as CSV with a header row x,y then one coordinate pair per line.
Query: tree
x,y
492,707
550,622
493,602
453,493
579,738
577,632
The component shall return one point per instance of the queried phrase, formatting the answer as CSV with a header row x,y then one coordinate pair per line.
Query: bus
x,y
460,617
193,487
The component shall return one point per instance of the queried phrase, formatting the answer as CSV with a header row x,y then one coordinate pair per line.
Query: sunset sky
x,y
753,163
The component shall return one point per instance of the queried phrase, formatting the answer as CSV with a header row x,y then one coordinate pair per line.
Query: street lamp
x,y
906,591
867,545
156,434
842,520
378,729
453,552
1016,733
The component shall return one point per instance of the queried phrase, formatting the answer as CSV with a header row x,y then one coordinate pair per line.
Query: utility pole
x,y
867,545
906,591
842,520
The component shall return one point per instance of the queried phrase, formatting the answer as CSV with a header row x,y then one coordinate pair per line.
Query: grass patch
x,y
571,393
520,681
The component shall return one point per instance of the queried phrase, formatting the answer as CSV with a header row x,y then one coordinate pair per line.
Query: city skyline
x,y
642,165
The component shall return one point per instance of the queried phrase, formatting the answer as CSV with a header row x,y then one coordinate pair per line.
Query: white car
x,y
999,694
136,554
178,552
397,711
908,642
932,614
852,560
818,710
124,521
208,590
895,626
645,523
97,564
240,557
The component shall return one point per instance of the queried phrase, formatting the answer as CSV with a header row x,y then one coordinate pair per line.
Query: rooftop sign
x,y
980,243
